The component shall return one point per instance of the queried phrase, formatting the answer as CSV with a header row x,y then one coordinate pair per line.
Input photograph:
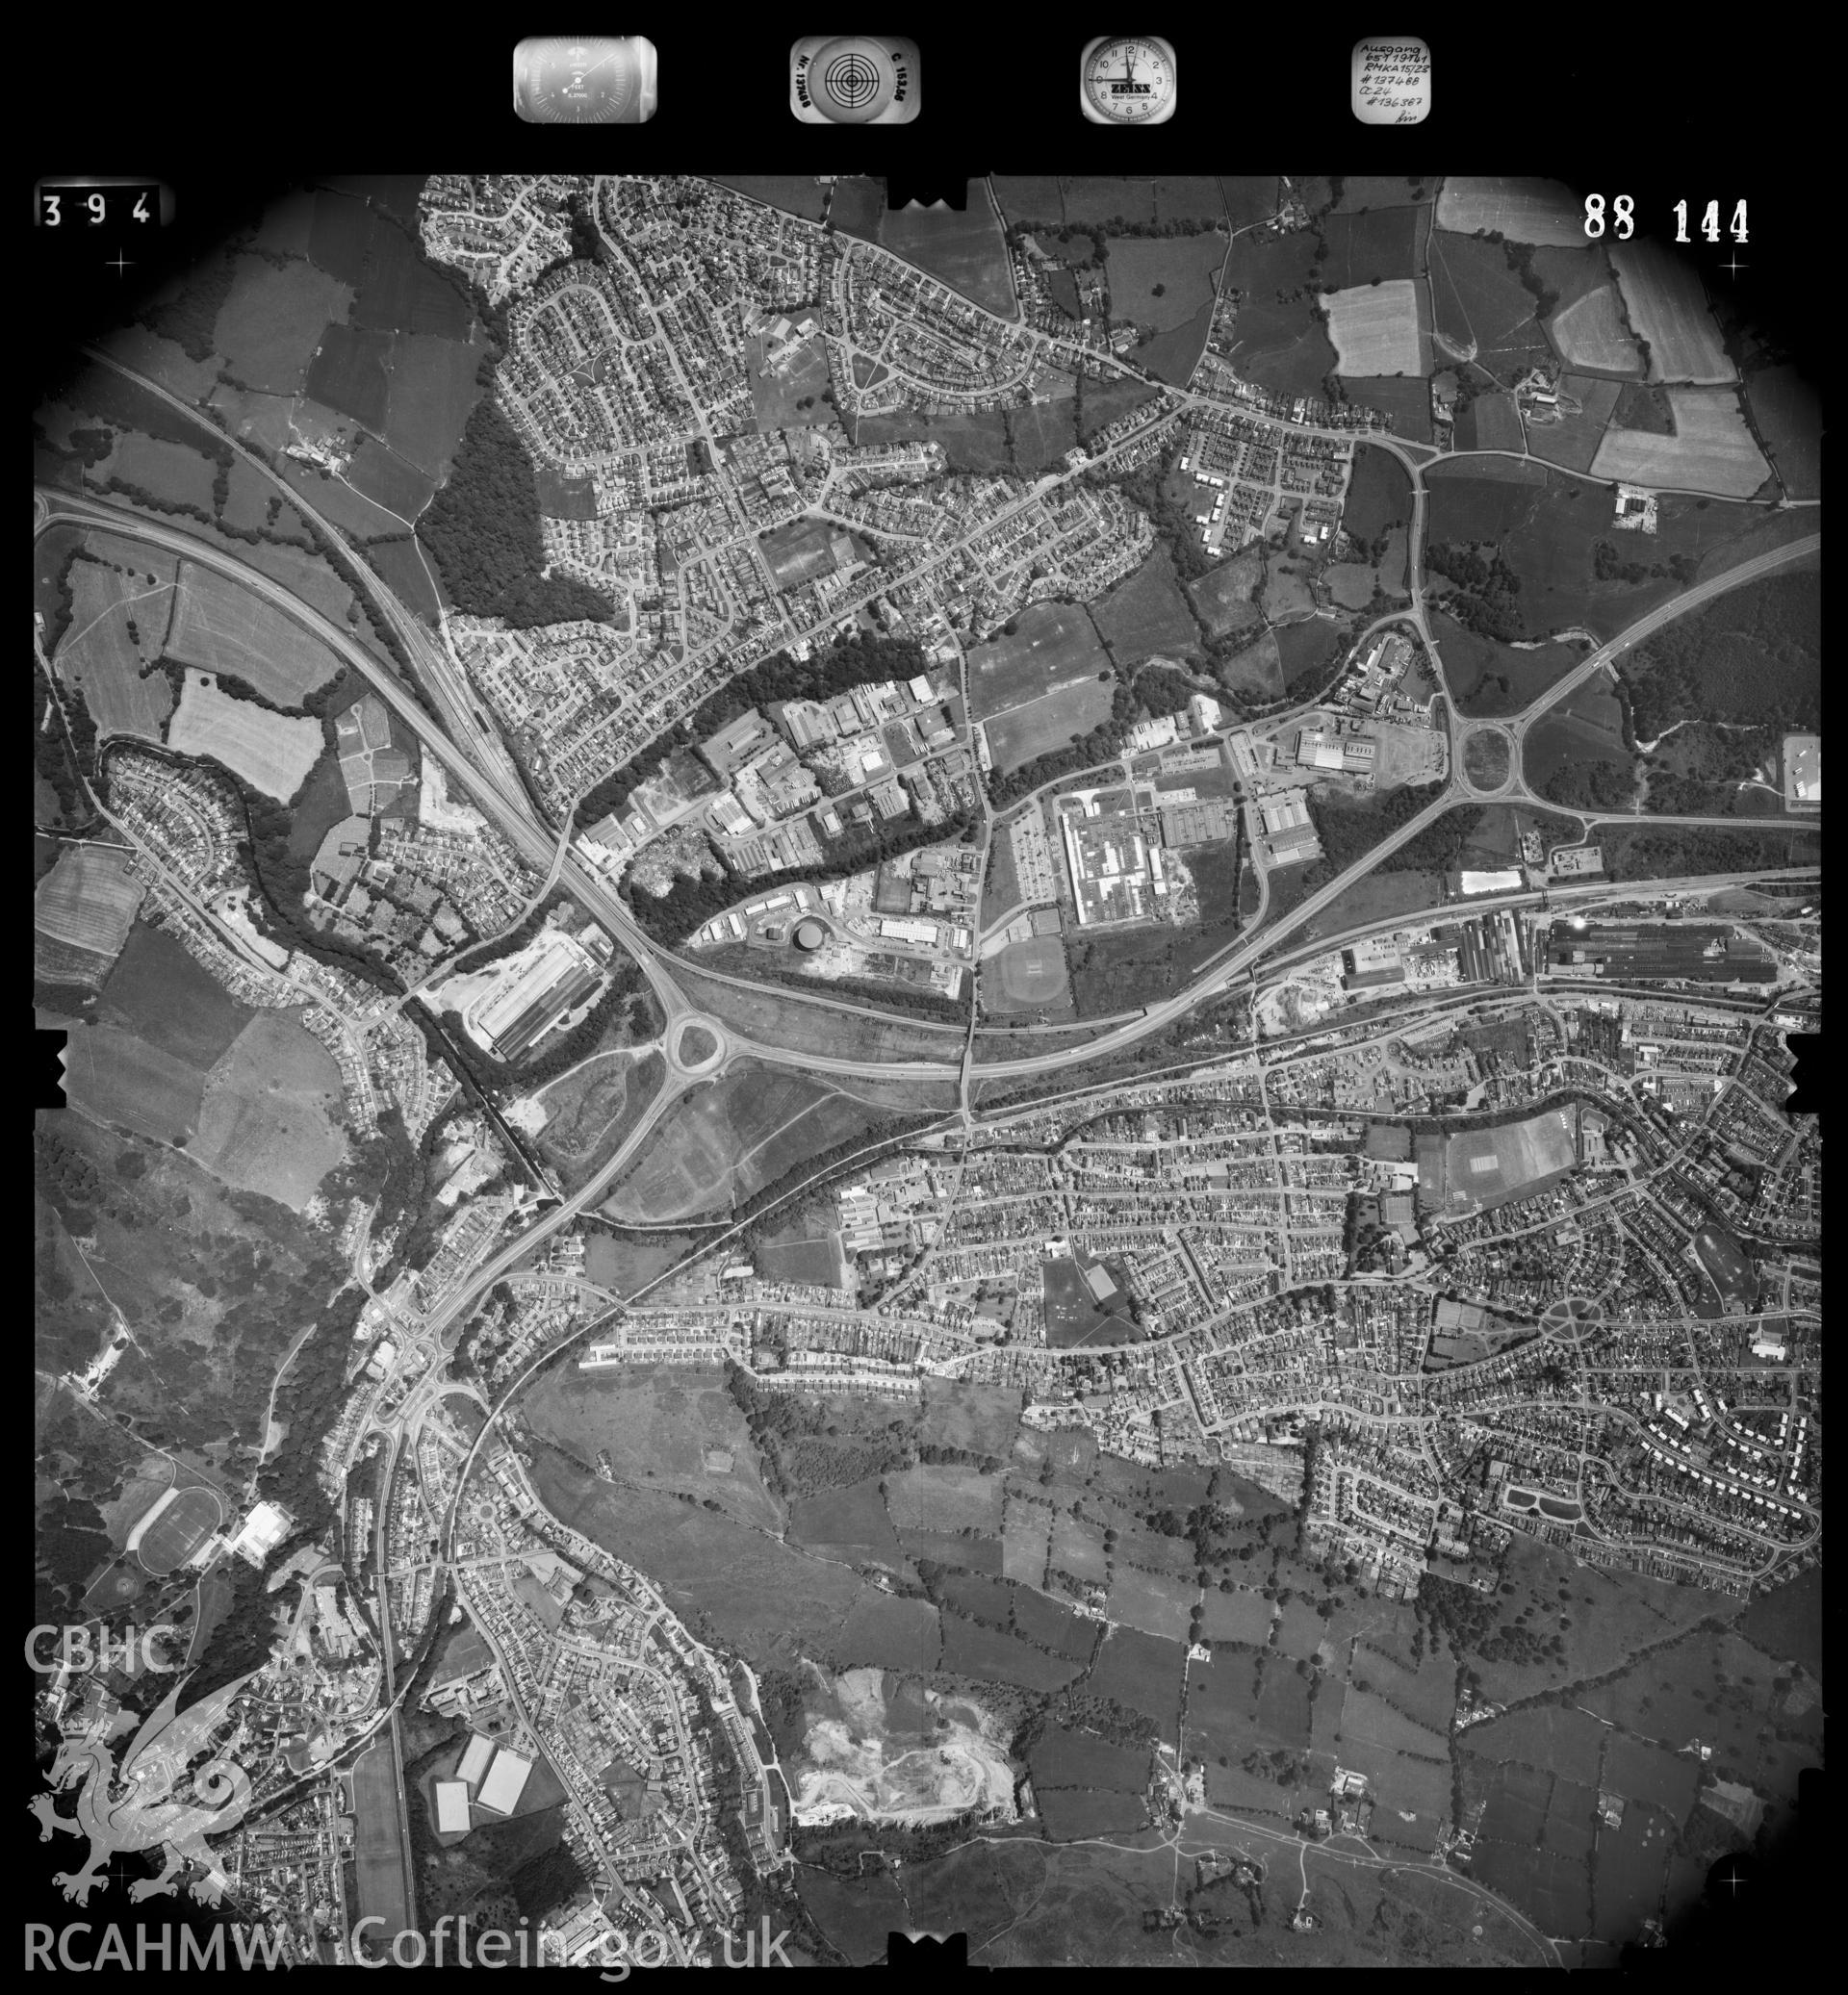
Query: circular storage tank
x,y
809,936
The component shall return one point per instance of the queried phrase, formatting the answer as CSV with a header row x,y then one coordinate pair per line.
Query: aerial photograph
x,y
732,1273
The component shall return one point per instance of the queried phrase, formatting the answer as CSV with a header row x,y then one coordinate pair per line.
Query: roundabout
x,y
1487,761
698,1046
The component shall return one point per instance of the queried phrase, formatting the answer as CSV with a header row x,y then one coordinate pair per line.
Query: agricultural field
x,y
1490,423
159,992
222,627
1526,211
1147,614
270,1121
265,329
1385,244
1143,1672
966,250
848,1524
1591,333
944,1497
795,193
1048,723
1482,309
972,1649
882,1631
1222,599
1668,308
108,654
1052,644
402,293
730,1137
270,752
1156,1605
1712,450
82,912
393,484
1407,399
1106,198
668,1428
1572,441
349,372
1788,411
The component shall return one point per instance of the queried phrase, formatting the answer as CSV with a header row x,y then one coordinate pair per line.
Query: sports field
x,y
1488,1167
1050,722
220,625
1052,642
1524,211
1712,450
1026,977
181,1527
1376,328
1668,307
268,750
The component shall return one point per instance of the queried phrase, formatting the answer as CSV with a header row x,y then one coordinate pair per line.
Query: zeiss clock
x,y
1127,80
584,80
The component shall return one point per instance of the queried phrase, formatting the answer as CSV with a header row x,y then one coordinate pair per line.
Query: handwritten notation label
x,y
1392,80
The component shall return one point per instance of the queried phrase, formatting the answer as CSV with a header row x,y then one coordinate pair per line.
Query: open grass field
x,y
1482,311
973,1649
266,328
271,1117
434,389
82,909
775,1019
1591,333
1147,614
173,472
1105,400
1050,722
1385,243
273,754
114,636
1151,1602
1277,345
1250,197
1712,450
1027,976
1667,306
1172,356
403,571
246,503
124,1082
789,396
1105,198
1788,413
1053,643
1583,728
622,1266
1573,442
392,482
1526,211
220,625
1222,599
944,1496
1309,650
1485,758
180,1529
349,372
769,1602
882,1631
1044,432
975,443
1379,493
161,993
729,1136
338,235
965,249
661,1427
1407,399
1184,267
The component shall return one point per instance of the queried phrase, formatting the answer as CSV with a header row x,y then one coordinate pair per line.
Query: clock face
x,y
576,79
1128,80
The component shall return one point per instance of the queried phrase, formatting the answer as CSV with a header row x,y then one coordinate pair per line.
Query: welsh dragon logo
x,y
157,1799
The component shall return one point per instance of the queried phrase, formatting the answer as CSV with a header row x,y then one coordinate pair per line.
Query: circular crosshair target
x,y
852,80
